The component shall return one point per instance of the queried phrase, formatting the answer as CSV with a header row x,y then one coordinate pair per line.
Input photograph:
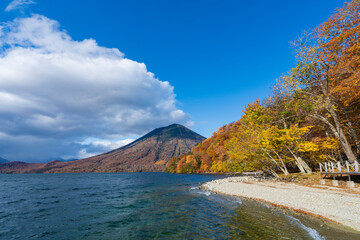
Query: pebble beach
x,y
329,203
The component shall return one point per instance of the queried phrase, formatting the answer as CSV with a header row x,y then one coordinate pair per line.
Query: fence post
x,y
347,166
339,166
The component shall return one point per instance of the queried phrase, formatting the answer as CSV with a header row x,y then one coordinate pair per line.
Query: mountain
x,y
3,160
19,167
149,153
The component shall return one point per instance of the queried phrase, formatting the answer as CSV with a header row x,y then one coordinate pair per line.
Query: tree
x,y
254,144
339,49
308,86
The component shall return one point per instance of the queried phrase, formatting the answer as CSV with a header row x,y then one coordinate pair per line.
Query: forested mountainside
x,y
312,116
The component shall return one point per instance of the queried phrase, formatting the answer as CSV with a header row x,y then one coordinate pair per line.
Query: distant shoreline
x,y
334,205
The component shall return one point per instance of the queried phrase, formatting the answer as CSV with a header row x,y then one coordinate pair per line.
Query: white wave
x,y
227,200
207,193
197,190
312,232
238,200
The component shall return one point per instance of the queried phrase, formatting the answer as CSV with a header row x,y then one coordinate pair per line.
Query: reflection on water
x,y
141,206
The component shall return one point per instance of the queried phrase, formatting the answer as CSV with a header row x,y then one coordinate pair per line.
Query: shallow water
x,y
142,206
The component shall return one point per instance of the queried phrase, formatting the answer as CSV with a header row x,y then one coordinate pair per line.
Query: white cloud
x,y
84,154
110,145
16,4
52,86
93,146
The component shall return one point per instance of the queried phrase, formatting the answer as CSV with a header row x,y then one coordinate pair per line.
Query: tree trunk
x,y
305,165
274,173
338,133
286,172
301,164
342,138
352,132
337,129
283,169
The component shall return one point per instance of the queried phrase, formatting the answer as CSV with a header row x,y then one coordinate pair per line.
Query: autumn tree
x,y
339,48
308,85
254,145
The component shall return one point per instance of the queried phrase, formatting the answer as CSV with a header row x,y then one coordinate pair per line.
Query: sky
x,y
79,78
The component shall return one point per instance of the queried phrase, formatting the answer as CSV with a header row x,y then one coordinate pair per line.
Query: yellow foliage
x,y
219,166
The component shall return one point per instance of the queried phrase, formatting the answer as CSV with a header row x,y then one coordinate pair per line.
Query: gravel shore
x,y
331,203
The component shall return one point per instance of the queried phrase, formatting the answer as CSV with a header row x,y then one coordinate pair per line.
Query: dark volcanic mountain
x,y
149,153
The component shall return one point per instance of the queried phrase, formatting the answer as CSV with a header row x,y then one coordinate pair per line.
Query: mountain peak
x,y
175,125
173,131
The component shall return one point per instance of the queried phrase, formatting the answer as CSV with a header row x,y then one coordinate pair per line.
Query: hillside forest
x,y
312,116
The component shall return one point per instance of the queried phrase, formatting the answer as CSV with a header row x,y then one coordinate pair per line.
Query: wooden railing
x,y
331,167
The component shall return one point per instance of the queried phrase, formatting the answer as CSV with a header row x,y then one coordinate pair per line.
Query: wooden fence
x,y
337,169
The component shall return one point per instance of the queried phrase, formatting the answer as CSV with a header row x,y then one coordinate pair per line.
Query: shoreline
x,y
331,204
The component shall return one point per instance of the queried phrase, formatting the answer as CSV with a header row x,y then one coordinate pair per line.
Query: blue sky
x,y
217,55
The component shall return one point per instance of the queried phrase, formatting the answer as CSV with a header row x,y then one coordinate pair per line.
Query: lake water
x,y
141,206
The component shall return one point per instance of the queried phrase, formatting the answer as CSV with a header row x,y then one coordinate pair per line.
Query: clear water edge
x,y
143,206
294,216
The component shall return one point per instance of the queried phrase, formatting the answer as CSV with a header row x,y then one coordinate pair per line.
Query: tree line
x,y
312,116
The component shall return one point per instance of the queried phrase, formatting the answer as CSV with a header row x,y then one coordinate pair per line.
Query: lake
x,y
142,206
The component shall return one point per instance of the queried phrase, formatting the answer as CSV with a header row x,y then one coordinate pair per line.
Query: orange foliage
x,y
341,51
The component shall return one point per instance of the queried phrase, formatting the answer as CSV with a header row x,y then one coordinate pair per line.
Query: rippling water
x,y
141,206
